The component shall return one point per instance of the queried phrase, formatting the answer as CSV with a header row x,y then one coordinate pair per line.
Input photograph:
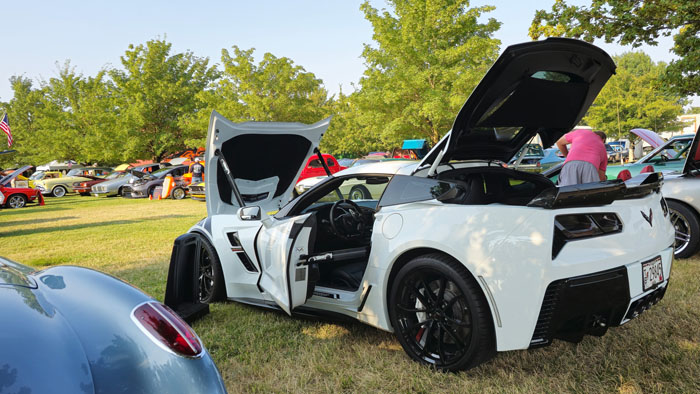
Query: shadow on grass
x,y
32,208
37,221
83,226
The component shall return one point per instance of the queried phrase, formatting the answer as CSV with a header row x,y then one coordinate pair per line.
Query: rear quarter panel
x,y
510,247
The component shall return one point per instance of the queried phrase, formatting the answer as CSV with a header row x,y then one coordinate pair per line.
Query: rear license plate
x,y
652,273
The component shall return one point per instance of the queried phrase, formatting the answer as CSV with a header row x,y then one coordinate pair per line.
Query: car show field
x,y
262,351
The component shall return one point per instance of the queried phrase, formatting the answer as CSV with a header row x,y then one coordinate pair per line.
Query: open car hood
x,y
9,177
265,160
540,87
649,137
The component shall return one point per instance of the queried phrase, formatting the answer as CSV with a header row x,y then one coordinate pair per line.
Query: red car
x,y
17,197
315,168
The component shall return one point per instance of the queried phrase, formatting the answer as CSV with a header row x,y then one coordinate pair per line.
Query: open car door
x,y
283,246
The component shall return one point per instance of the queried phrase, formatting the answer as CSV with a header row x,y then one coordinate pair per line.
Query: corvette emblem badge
x,y
647,218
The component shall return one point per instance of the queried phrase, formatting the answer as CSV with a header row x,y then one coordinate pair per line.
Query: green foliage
x,y
633,98
429,55
635,23
153,91
275,89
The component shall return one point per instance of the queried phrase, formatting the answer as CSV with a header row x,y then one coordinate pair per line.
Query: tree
x,y
155,89
23,111
275,89
633,22
633,98
428,57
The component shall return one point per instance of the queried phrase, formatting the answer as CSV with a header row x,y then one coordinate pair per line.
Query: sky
x,y
326,37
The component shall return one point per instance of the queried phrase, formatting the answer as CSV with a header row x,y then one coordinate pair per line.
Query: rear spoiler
x,y
599,193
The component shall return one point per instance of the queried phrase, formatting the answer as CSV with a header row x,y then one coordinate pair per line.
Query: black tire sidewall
x,y
445,266
218,289
362,189
692,220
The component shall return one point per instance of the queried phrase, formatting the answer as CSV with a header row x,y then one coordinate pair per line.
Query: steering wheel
x,y
346,220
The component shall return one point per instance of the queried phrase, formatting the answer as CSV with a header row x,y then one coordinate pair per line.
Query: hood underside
x,y
265,160
541,87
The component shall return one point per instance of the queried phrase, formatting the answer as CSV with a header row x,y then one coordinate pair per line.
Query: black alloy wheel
x,y
687,228
16,201
439,314
211,277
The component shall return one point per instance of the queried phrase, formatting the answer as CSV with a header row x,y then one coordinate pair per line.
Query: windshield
x,y
673,150
159,173
115,175
75,172
37,175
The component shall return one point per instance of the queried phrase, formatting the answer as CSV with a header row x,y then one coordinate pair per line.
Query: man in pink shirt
x,y
586,161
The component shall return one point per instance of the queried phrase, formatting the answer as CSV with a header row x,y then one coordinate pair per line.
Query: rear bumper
x,y
590,304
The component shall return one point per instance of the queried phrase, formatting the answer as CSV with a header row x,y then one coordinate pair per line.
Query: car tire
x,y
178,193
149,192
16,201
120,192
687,227
439,314
211,287
58,191
359,192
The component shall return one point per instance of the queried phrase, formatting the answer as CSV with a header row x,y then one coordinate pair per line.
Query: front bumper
x,y
590,304
134,192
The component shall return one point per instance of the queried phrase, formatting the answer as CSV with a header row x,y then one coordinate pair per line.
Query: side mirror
x,y
249,213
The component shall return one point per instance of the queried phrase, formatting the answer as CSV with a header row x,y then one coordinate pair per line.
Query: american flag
x,y
5,126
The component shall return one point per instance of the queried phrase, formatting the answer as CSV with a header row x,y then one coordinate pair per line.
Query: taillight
x,y
167,329
581,226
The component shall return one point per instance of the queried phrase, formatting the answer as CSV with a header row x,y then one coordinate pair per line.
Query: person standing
x,y
587,159
197,170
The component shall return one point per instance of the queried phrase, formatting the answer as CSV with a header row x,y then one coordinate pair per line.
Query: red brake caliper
x,y
420,334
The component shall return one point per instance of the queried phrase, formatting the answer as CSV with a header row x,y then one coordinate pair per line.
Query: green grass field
x,y
261,351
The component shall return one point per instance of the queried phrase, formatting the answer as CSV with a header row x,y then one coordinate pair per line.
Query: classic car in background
x,y
58,187
682,191
666,158
115,187
145,185
69,329
528,158
17,197
198,191
552,157
315,168
83,188
460,257
613,155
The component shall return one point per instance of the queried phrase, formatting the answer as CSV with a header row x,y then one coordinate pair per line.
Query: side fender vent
x,y
240,253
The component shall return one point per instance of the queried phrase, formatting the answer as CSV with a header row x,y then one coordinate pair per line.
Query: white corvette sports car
x,y
459,256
